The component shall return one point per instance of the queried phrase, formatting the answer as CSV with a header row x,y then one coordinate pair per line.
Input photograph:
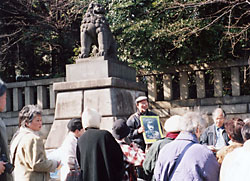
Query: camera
x,y
8,166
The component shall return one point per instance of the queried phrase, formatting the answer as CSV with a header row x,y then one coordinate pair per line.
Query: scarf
x,y
172,135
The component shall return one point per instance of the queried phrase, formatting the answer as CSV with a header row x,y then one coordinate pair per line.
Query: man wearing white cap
x,y
134,123
136,129
173,128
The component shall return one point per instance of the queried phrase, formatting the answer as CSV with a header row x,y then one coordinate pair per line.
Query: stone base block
x,y
69,105
99,68
57,134
45,131
111,101
107,122
99,84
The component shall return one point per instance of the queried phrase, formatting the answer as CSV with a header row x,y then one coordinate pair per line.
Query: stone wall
x,y
23,93
190,90
236,104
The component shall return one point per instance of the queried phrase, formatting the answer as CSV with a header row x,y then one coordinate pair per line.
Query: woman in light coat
x,y
27,148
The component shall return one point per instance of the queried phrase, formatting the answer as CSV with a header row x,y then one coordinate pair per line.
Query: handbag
x,y
74,174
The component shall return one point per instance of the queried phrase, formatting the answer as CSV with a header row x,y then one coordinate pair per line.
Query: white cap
x,y
91,118
140,98
173,124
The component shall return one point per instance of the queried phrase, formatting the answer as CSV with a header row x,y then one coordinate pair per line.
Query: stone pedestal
x,y
105,85
98,68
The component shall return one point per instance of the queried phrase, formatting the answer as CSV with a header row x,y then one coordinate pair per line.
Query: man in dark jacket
x,y
134,123
4,176
136,129
99,155
215,135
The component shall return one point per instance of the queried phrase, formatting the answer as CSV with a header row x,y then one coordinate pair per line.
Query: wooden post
x,y
52,97
42,97
152,89
167,87
184,94
235,81
17,99
29,95
200,84
218,83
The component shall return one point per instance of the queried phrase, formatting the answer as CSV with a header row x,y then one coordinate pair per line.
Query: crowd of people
x,y
190,149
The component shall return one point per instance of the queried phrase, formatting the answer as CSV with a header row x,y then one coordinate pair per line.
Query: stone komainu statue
x,y
95,31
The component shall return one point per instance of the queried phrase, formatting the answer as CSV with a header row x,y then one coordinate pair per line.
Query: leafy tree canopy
x,y
153,34
39,37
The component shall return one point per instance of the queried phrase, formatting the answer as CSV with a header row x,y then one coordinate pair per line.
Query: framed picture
x,y
152,128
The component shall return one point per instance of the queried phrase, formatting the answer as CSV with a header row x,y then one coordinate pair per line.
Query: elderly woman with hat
x,y
172,127
99,155
27,148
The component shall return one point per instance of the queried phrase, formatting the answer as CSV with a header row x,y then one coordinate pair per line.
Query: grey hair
x,y
27,114
192,121
216,110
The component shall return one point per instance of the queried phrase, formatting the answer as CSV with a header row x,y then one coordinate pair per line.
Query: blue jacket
x,y
185,159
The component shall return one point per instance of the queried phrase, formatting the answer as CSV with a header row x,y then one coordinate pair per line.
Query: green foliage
x,y
39,37
153,34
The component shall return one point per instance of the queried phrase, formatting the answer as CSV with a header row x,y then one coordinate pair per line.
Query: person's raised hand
x,y
141,129
212,148
58,164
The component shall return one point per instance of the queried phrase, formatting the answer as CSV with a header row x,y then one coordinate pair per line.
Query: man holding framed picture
x,y
137,129
134,123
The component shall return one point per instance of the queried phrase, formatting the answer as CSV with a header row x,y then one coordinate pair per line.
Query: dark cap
x,y
2,87
75,124
120,129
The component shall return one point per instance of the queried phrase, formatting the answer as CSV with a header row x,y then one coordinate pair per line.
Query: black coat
x,y
100,156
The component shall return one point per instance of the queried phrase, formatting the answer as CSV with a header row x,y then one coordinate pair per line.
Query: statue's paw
x,y
82,55
101,53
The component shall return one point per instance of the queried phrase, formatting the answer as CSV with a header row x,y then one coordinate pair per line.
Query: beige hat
x,y
91,118
140,98
172,124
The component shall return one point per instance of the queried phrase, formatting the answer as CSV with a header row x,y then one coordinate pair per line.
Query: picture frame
x,y
152,128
